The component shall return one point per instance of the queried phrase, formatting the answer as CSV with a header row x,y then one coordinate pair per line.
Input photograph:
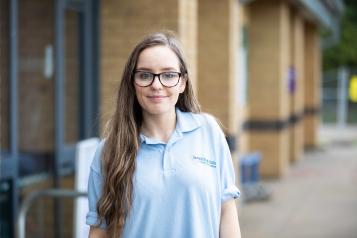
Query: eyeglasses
x,y
167,79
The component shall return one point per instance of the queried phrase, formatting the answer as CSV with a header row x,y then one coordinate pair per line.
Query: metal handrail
x,y
21,219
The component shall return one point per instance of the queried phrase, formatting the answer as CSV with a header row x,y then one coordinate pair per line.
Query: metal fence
x,y
336,106
36,213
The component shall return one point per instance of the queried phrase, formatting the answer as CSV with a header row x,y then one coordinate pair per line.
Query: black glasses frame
x,y
159,77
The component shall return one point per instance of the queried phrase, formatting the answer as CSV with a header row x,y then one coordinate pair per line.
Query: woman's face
x,y
157,99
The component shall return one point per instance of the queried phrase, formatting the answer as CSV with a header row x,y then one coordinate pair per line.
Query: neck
x,y
159,127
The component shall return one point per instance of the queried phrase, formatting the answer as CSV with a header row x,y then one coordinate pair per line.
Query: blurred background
x,y
281,76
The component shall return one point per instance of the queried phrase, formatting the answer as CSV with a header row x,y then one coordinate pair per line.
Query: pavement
x,y
316,199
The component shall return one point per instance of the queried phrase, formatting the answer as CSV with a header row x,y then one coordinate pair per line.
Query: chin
x,y
157,110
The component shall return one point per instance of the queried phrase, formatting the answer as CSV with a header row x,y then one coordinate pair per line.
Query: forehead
x,y
158,58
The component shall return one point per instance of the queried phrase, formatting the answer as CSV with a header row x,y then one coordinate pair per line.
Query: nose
x,y
156,83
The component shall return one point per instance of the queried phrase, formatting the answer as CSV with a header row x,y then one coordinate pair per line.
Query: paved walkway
x,y
317,198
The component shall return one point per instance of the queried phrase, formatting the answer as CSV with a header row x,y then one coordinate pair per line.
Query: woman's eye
x,y
145,76
168,75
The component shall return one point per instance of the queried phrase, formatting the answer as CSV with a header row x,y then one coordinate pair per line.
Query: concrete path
x,y
316,199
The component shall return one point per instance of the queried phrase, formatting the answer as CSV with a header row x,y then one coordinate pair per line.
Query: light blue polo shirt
x,y
179,186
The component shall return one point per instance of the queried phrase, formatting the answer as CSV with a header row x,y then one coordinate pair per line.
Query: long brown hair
x,y
122,136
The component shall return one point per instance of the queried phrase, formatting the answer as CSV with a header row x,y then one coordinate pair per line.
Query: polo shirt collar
x,y
185,122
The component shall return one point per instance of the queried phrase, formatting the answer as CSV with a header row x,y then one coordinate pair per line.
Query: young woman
x,y
164,169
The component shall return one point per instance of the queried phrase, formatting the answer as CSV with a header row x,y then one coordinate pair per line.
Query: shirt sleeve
x,y
95,184
228,185
229,190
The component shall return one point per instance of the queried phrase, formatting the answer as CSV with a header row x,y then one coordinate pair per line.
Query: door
x,y
76,74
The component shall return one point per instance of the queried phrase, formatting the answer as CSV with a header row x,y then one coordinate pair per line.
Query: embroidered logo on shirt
x,y
205,161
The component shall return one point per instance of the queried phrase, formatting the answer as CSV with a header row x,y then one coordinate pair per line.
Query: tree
x,y
344,52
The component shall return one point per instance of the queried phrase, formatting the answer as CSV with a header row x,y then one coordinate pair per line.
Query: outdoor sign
x,y
292,79
353,89
84,156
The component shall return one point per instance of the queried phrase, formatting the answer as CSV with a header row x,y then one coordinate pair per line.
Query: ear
x,y
183,84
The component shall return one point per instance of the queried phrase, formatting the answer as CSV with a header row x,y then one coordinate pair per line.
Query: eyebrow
x,y
161,69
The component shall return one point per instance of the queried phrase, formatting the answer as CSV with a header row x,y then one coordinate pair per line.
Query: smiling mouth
x,y
156,97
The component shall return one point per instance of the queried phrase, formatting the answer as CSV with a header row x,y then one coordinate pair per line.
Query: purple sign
x,y
292,80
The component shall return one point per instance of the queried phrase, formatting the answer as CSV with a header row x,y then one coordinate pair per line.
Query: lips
x,y
157,98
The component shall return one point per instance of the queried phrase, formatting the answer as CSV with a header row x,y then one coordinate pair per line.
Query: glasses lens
x,y
143,78
169,79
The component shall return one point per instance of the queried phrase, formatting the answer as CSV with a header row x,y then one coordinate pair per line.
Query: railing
x,y
54,193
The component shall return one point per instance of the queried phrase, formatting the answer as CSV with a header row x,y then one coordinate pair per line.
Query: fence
x,y
336,106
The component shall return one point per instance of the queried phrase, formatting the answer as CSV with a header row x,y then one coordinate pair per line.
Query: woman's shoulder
x,y
97,160
208,121
190,120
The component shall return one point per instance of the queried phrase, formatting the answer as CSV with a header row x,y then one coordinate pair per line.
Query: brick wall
x,y
213,56
312,84
187,29
296,98
268,60
218,47
269,47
